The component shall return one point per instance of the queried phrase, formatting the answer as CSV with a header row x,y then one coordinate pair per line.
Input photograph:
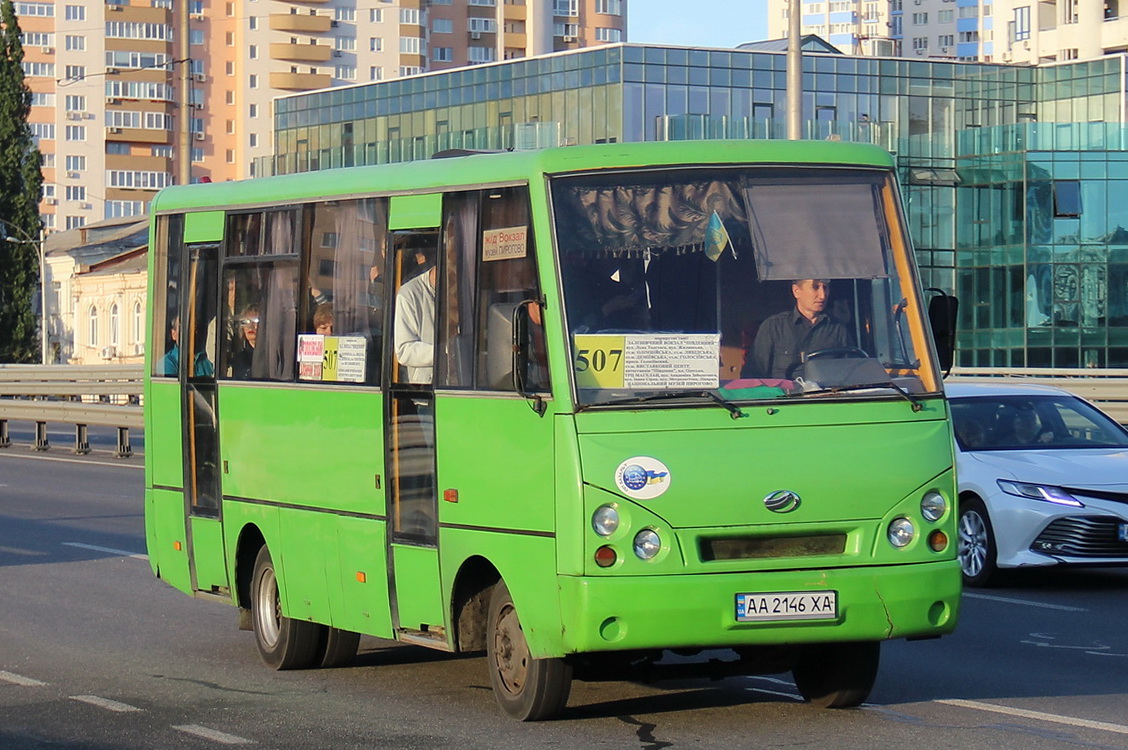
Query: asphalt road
x,y
96,654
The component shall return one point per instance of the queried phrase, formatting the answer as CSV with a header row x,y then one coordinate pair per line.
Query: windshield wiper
x,y
916,402
735,411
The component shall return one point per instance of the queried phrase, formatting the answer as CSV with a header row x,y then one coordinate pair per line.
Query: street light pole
x,y
41,251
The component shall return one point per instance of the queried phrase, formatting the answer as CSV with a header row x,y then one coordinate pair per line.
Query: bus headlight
x,y
933,506
901,532
647,544
605,520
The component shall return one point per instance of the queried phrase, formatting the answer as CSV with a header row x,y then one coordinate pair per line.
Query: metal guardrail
x,y
1108,389
82,395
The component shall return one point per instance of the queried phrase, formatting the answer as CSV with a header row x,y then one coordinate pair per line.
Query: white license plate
x,y
787,605
1122,532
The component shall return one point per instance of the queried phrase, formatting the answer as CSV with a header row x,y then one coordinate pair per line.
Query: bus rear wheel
x,y
526,689
283,643
337,647
836,675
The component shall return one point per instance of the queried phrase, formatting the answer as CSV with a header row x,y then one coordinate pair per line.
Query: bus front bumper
x,y
699,611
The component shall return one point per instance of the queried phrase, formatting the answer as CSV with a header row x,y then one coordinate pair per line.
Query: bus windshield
x,y
748,283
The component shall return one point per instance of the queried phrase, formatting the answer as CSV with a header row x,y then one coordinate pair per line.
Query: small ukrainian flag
x,y
716,237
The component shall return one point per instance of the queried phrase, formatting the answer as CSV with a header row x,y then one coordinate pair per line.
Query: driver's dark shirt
x,y
785,337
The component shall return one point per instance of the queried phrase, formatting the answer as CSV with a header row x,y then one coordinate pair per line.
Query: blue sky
x,y
697,23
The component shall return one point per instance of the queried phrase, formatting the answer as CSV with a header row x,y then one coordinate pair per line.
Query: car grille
x,y
1082,536
1116,497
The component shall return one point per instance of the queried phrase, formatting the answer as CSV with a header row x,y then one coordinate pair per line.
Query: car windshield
x,y
752,283
988,423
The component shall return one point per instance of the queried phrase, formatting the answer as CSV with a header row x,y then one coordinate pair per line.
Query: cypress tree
x,y
21,183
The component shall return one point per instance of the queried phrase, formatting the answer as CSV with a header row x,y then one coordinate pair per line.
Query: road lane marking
x,y
1008,600
105,703
107,550
17,679
117,464
213,734
1103,726
19,551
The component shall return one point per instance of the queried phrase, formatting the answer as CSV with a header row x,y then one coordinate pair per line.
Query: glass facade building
x,y
1016,178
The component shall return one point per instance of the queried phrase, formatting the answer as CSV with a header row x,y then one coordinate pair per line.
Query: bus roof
x,y
489,168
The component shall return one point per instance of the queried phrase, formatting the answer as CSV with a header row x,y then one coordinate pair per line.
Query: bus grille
x,y
759,548
1082,536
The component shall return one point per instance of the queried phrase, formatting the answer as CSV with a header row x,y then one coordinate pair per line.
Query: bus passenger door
x,y
413,559
196,333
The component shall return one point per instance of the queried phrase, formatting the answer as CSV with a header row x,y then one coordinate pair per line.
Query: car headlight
x,y
1047,492
647,544
901,532
605,520
932,506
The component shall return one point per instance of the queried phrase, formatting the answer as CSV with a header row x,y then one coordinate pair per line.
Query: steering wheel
x,y
837,351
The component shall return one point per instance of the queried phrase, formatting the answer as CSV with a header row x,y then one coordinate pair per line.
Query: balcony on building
x,y
299,23
300,52
300,81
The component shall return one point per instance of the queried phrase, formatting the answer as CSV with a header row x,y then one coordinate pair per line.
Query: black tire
x,y
837,675
526,689
337,647
283,643
977,551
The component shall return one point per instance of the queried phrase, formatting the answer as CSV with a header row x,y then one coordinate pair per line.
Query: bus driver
x,y
785,337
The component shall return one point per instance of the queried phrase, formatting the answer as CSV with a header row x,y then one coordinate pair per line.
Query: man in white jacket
x,y
415,327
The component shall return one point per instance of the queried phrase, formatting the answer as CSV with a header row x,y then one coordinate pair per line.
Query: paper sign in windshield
x,y
504,244
647,361
336,359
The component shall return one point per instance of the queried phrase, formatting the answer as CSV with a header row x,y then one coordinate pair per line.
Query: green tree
x,y
21,183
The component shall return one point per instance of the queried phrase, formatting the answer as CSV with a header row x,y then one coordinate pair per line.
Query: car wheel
x,y
977,551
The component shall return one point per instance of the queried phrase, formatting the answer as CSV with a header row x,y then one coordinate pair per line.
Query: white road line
x,y
1008,600
117,464
16,679
105,703
213,734
107,550
1103,726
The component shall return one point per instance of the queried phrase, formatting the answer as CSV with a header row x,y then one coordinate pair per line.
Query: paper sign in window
x,y
651,361
334,359
505,244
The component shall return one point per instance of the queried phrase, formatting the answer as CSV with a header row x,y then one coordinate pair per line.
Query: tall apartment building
x,y
117,87
1060,30
949,29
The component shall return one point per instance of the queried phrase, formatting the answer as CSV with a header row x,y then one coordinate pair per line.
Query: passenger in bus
x,y
784,338
415,326
244,347
323,319
171,362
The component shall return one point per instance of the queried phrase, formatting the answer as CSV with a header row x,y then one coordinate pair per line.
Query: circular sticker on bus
x,y
642,477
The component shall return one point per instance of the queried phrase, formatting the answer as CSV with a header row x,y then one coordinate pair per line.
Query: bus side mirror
x,y
942,310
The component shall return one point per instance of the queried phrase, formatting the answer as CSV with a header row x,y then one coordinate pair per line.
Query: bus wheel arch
x,y
470,602
250,542
526,689
283,642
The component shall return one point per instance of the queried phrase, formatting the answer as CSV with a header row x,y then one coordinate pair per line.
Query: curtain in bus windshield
x,y
633,218
822,231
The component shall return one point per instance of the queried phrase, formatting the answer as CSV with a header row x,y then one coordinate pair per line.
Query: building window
x,y
253,140
345,43
920,43
115,325
1069,11
946,16
76,133
376,44
409,16
75,103
75,43
92,317
484,25
346,73
947,40
376,15
76,192
344,14
442,26
565,7
442,54
253,111
969,36
42,131
75,13
138,323
75,72
252,51
569,30
410,45
42,99
27,10
920,19
480,54
375,73
410,70
253,81
76,163
608,35
1022,23
609,7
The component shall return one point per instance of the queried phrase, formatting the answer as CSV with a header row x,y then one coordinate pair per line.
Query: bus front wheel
x,y
527,689
283,643
836,675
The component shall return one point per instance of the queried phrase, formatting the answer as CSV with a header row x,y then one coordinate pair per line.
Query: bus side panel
x,y
207,553
314,448
164,441
359,592
527,564
166,539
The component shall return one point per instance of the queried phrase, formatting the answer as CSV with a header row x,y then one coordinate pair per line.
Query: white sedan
x,y
1043,480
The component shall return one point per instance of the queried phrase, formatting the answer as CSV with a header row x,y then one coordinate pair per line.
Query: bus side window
x,y
460,270
166,287
508,278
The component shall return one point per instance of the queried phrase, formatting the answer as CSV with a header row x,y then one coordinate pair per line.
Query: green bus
x,y
572,408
